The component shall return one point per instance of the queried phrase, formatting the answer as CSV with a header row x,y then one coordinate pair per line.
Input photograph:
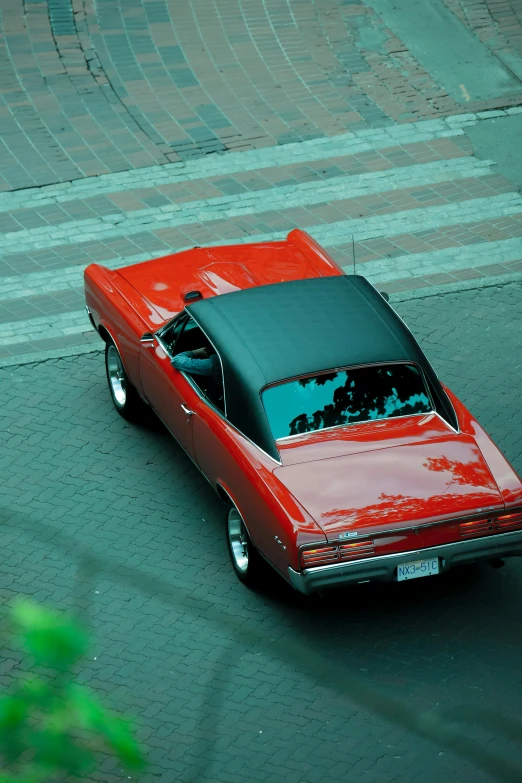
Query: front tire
x,y
124,396
245,558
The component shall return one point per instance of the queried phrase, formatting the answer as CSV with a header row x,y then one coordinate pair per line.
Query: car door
x,y
167,390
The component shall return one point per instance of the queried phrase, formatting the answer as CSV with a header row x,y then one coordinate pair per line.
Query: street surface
x,y
215,706
133,128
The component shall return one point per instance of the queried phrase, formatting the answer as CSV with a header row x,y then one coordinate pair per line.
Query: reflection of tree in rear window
x,y
345,397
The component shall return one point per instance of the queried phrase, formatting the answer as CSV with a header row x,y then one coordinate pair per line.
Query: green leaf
x,y
36,692
13,720
13,713
52,638
116,731
119,735
60,751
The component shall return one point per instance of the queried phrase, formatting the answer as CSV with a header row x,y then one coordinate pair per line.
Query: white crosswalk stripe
x,y
226,207
351,143
410,265
44,328
112,230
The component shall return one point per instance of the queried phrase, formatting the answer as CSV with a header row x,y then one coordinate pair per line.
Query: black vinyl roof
x,y
274,332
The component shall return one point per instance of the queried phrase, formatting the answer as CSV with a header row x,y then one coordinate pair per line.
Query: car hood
x,y
389,487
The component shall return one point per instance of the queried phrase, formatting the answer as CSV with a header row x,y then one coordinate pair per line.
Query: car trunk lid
x,y
391,487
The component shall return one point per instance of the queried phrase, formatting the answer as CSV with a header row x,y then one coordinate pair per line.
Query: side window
x,y
212,389
205,367
170,334
190,337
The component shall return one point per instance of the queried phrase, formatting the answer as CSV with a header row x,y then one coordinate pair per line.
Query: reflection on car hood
x,y
390,487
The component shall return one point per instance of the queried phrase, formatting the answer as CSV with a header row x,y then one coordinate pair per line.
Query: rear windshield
x,y
333,399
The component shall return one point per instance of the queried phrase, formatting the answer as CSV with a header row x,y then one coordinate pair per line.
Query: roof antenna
x,y
353,253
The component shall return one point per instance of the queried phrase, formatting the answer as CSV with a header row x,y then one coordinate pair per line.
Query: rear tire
x,y
246,560
124,396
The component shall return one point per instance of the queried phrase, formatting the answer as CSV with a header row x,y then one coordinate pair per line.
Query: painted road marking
x,y
322,148
111,231
247,203
450,259
377,272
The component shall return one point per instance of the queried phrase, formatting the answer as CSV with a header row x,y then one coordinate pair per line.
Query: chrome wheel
x,y
238,540
117,377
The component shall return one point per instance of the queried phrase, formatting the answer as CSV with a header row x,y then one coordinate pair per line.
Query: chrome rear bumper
x,y
384,568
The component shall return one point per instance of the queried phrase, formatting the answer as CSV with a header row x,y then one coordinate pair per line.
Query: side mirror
x,y
147,338
385,295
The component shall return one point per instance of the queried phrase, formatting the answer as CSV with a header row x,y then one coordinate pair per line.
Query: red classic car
x,y
324,429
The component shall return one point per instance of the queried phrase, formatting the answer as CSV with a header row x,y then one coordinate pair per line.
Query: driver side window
x,y
203,368
190,338
171,332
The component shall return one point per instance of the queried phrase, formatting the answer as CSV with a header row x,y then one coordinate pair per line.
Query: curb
x,y
415,293
454,288
56,353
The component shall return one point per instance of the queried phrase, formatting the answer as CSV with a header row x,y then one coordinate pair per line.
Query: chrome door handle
x,y
186,410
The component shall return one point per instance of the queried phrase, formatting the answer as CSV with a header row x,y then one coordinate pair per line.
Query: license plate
x,y
417,568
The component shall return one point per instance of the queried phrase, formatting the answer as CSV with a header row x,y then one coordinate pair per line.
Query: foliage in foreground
x,y
51,726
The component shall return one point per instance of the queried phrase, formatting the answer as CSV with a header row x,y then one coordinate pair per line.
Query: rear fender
x,y
506,478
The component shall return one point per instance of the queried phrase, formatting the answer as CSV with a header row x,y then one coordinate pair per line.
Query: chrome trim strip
x,y
413,552
382,567
429,362
217,354
91,319
235,506
475,515
457,432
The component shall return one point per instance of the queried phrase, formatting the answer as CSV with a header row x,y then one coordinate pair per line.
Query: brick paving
x,y
497,23
404,193
89,87
231,685
129,129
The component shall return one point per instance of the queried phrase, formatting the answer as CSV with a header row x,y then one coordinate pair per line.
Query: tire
x,y
246,560
124,396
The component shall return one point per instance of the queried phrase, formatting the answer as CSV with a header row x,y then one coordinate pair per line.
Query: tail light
x,y
509,522
321,555
478,527
325,555
356,549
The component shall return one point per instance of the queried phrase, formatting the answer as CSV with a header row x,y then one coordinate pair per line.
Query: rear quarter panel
x,y
246,474
508,481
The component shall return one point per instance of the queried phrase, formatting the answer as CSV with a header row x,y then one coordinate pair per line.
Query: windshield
x,y
332,399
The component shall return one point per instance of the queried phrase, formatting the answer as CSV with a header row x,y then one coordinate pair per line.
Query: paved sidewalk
x,y
210,669
498,24
92,87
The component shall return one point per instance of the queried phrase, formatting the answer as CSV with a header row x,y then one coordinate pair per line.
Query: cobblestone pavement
x,y
92,86
221,678
423,211
497,23
133,129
